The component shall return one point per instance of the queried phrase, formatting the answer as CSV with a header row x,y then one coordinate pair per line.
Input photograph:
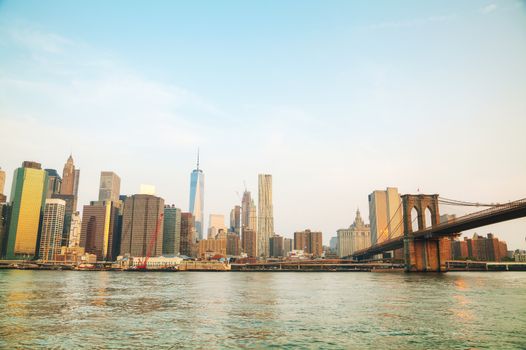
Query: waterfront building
x,y
249,242
188,234
276,244
385,215
98,229
300,240
72,255
459,249
171,230
288,246
233,244
74,231
519,255
308,241
356,237
156,262
265,216
54,182
197,198
216,222
488,248
141,214
213,247
110,186
52,227
235,220
28,195
316,244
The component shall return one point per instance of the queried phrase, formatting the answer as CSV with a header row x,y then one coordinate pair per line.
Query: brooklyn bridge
x,y
428,247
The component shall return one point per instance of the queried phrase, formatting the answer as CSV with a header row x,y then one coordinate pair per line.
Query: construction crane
x,y
151,244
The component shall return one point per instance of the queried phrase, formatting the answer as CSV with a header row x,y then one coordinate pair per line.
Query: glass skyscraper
x,y
28,196
197,198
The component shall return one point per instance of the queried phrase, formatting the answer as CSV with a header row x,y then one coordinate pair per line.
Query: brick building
x,y
308,241
249,242
480,248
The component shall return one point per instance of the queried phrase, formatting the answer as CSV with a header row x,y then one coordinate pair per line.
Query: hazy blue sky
x,y
333,98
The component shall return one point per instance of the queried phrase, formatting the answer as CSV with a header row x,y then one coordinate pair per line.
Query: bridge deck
x,y
505,212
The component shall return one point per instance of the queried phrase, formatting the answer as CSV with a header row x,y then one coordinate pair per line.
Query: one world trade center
x,y
197,198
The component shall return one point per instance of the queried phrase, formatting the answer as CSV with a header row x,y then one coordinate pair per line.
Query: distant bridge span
x,y
423,248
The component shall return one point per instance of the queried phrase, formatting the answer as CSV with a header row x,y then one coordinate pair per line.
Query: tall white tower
x,y
265,215
197,198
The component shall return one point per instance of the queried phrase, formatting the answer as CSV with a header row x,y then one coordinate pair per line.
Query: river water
x,y
214,310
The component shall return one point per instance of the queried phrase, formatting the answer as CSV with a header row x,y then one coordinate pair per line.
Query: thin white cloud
x,y
488,8
34,39
84,89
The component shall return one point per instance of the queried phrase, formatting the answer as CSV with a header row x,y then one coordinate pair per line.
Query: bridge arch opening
x,y
414,219
428,218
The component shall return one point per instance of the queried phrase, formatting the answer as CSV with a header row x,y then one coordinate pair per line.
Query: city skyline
x,y
421,104
326,237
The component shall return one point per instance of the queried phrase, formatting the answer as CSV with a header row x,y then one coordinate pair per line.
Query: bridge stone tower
x,y
425,253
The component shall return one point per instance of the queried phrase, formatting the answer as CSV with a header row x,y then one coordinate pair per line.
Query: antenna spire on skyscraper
x,y
197,158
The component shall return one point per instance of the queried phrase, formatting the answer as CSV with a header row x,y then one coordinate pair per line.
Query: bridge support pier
x,y
426,255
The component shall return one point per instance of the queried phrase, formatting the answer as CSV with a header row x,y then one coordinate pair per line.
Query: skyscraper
x,y
385,215
197,198
51,233
288,246
172,230
69,186
76,184
68,177
98,228
265,218
235,220
110,186
141,214
232,244
248,212
249,242
187,234
54,182
276,246
71,201
216,222
2,184
28,195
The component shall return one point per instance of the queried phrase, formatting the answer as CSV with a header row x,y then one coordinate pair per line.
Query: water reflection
x,y
47,309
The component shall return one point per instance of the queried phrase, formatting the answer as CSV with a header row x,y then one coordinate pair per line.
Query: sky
x,y
335,99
